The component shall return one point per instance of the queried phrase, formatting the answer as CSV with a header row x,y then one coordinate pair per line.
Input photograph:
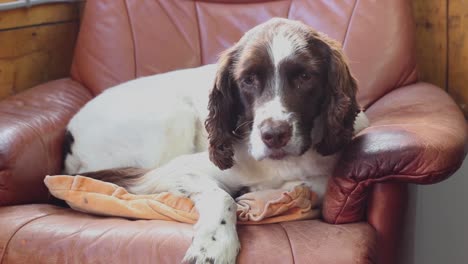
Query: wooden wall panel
x,y
34,55
458,52
36,45
431,40
42,14
442,45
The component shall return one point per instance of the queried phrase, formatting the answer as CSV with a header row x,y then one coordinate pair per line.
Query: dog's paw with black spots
x,y
215,247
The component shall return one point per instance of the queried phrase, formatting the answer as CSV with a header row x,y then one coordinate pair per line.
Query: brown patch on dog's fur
x,y
341,107
223,114
329,93
124,177
68,141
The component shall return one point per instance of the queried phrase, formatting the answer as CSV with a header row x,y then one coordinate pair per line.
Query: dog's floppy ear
x,y
223,107
340,108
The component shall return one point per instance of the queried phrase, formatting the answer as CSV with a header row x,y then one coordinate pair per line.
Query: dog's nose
x,y
276,134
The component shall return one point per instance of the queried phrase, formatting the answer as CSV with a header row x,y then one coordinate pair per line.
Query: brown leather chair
x,y
417,135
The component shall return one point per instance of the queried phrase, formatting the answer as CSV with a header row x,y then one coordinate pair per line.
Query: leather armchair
x,y
417,134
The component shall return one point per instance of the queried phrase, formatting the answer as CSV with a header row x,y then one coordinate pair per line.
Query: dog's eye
x,y
249,79
305,76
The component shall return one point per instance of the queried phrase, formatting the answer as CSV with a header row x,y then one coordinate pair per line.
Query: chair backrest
x,y
120,40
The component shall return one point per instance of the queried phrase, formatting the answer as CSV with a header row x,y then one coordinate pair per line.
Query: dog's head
x,y
283,88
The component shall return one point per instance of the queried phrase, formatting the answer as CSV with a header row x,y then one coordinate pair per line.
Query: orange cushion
x,y
102,198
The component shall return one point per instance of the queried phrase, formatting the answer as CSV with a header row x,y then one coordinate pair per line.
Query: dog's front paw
x,y
213,248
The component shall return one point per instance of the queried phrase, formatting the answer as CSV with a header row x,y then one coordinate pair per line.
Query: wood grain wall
x,y
36,45
442,45
457,77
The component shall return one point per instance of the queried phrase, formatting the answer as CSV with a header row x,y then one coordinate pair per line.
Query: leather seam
x,y
383,180
345,204
289,8
174,24
76,62
200,51
289,241
132,33
405,81
349,23
17,230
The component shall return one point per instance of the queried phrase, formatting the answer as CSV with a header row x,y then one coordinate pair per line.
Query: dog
x,y
274,112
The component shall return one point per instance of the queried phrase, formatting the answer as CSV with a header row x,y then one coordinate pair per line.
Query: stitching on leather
x,y
200,51
17,230
289,241
132,33
349,23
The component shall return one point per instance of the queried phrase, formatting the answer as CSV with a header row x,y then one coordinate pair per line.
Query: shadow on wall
x,y
437,230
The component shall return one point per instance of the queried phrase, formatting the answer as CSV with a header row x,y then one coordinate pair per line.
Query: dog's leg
x,y
215,238
194,176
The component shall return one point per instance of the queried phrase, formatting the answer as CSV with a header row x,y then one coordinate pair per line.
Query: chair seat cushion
x,y
44,233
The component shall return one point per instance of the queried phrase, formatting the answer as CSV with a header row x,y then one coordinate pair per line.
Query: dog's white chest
x,y
310,168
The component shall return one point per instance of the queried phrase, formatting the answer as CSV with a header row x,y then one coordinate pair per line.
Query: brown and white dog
x,y
273,113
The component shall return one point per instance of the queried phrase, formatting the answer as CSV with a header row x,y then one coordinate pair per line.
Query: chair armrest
x,y
417,135
31,132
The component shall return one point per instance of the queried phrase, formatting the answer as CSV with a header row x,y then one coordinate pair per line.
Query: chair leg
x,y
386,213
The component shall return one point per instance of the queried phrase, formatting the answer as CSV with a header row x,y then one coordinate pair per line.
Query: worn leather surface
x,y
123,39
31,132
417,135
48,234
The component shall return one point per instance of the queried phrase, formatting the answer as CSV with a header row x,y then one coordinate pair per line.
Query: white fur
x,y
275,111
131,125
283,44
157,122
361,122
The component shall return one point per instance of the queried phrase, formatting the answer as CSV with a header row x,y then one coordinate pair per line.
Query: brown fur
x,y
223,114
124,177
341,107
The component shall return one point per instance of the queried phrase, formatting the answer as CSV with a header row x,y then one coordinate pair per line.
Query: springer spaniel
x,y
277,109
